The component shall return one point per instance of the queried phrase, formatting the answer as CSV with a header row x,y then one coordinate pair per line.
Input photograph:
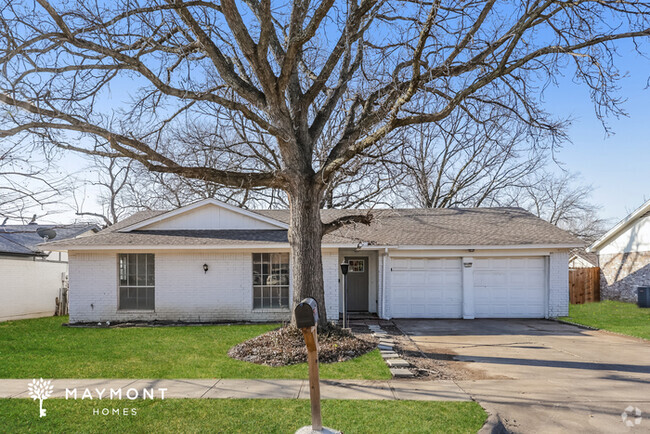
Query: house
x,y
624,256
211,261
32,276
580,258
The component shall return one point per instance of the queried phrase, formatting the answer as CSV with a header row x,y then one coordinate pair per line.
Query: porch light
x,y
344,267
205,268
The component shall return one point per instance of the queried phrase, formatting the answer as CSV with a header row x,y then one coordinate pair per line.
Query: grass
x,y
241,416
43,348
615,316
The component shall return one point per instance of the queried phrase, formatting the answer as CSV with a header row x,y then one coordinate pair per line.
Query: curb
x,y
575,324
609,332
494,425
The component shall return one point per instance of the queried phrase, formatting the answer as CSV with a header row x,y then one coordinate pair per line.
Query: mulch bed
x,y
286,346
439,364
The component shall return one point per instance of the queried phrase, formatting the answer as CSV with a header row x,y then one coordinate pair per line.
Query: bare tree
x,y
359,70
111,177
562,200
461,163
150,190
25,185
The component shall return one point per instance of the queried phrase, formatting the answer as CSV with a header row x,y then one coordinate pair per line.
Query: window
x,y
270,280
136,281
357,265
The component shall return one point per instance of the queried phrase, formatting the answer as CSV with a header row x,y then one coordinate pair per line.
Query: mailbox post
x,y
307,321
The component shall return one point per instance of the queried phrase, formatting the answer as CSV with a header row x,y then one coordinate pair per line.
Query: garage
x,y
426,288
504,287
509,287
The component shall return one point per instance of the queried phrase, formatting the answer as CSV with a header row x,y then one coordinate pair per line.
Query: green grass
x,y
615,316
43,348
241,416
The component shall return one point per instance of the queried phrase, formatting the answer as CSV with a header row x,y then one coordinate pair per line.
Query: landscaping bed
x,y
438,365
286,346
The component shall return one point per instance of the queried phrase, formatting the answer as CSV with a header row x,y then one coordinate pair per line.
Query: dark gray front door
x,y
357,284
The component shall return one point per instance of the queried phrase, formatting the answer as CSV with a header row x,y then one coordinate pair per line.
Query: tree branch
x,y
365,219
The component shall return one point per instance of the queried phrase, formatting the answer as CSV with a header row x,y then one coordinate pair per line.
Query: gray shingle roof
x,y
23,239
592,258
7,245
390,227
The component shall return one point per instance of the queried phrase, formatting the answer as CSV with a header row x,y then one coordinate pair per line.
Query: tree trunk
x,y
305,234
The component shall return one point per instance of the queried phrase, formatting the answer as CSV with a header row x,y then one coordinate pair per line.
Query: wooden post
x,y
311,340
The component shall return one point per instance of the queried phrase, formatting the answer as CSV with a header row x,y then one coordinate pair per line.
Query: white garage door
x,y
426,288
509,287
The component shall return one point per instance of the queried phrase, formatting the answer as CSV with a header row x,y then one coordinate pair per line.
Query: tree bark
x,y
305,234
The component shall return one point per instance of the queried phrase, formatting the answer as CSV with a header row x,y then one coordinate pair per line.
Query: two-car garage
x,y
501,287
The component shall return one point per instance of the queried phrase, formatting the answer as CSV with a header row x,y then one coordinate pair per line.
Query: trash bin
x,y
643,296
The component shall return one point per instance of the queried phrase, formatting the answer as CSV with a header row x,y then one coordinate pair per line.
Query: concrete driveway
x,y
558,378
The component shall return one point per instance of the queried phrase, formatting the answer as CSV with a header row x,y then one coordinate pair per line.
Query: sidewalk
x,y
289,389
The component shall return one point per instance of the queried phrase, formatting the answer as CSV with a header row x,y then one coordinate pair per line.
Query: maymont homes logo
x,y
42,389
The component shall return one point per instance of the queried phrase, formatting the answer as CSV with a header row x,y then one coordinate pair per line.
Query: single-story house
x,y
31,276
624,256
211,261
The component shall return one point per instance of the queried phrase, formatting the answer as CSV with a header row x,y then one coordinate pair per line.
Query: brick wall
x,y
558,285
183,291
622,273
331,281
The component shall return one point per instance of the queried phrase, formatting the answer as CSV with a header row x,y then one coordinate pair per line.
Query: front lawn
x,y
43,348
241,416
615,316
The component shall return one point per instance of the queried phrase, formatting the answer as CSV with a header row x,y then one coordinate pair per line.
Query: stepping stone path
x,y
398,366
389,355
401,373
397,363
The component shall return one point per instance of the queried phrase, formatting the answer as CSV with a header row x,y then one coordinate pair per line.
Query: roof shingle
x,y
390,227
24,240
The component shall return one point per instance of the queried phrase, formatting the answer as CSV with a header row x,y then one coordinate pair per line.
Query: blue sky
x,y
616,165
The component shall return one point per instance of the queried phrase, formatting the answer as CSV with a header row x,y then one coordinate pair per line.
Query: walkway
x,y
290,389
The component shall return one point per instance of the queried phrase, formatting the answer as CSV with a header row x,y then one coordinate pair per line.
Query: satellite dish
x,y
48,234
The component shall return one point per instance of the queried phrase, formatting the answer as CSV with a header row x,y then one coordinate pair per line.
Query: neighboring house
x,y
210,261
624,256
580,258
31,275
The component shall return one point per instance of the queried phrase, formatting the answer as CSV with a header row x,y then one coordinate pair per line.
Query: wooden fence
x,y
584,285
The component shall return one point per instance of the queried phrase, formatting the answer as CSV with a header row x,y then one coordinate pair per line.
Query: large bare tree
x,y
561,199
27,184
124,79
461,163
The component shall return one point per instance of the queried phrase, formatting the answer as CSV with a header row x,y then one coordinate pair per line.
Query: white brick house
x,y
210,261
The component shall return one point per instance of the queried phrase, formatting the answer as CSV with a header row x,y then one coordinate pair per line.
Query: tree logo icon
x,y
631,416
41,390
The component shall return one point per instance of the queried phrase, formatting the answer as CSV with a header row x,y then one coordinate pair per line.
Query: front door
x,y
357,284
